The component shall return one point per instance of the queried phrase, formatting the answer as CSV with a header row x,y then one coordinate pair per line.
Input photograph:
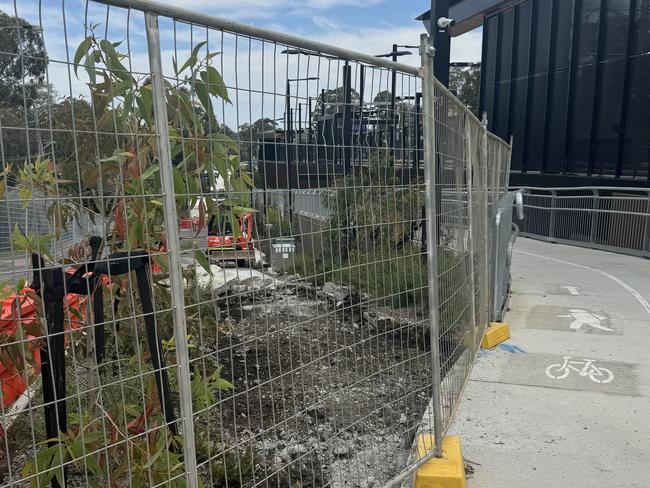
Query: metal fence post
x,y
173,246
469,169
489,215
551,224
428,121
495,256
485,219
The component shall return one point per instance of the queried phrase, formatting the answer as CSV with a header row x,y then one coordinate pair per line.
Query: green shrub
x,y
280,225
397,278
311,270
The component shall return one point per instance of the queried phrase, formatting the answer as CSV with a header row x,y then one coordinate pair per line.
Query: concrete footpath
x,y
565,403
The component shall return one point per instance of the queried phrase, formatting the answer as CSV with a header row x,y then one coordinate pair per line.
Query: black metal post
x,y
53,358
626,91
322,107
155,349
288,138
595,116
299,130
441,41
309,129
362,82
347,117
403,142
98,322
393,88
287,111
418,136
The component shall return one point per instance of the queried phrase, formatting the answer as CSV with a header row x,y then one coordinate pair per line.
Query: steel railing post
x,y
428,120
594,216
173,247
551,224
646,230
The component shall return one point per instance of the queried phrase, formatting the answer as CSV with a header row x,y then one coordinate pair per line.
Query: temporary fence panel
x,y
469,183
161,350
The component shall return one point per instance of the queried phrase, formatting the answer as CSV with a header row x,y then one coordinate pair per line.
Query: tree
x,y
384,97
125,162
251,134
465,82
23,61
334,101
382,102
76,146
371,210
404,117
256,131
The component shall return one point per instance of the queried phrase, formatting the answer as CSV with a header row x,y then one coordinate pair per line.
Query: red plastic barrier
x,y
11,380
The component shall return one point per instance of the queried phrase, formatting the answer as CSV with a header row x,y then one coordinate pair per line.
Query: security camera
x,y
445,23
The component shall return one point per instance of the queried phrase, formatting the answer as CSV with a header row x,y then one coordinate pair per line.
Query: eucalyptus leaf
x,y
149,172
82,51
216,85
202,259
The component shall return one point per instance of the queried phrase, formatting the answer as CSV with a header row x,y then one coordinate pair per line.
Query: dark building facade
x,y
570,81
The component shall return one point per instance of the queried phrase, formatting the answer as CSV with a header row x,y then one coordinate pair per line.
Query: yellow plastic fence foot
x,y
445,472
495,334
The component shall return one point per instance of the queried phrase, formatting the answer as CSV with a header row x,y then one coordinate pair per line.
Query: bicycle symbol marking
x,y
584,367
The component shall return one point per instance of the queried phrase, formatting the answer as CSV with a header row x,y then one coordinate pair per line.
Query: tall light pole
x,y
394,54
289,135
288,120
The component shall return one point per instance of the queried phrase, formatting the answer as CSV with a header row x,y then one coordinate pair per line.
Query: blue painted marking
x,y
511,348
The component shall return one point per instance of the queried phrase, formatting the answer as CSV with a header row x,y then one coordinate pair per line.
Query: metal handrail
x,y
625,230
227,25
583,188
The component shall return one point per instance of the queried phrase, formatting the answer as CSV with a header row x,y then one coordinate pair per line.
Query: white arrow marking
x,y
572,289
638,297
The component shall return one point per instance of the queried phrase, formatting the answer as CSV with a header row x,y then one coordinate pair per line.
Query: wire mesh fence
x,y
30,216
290,279
612,219
471,166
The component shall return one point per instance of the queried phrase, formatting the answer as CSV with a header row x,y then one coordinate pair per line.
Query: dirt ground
x,y
329,386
